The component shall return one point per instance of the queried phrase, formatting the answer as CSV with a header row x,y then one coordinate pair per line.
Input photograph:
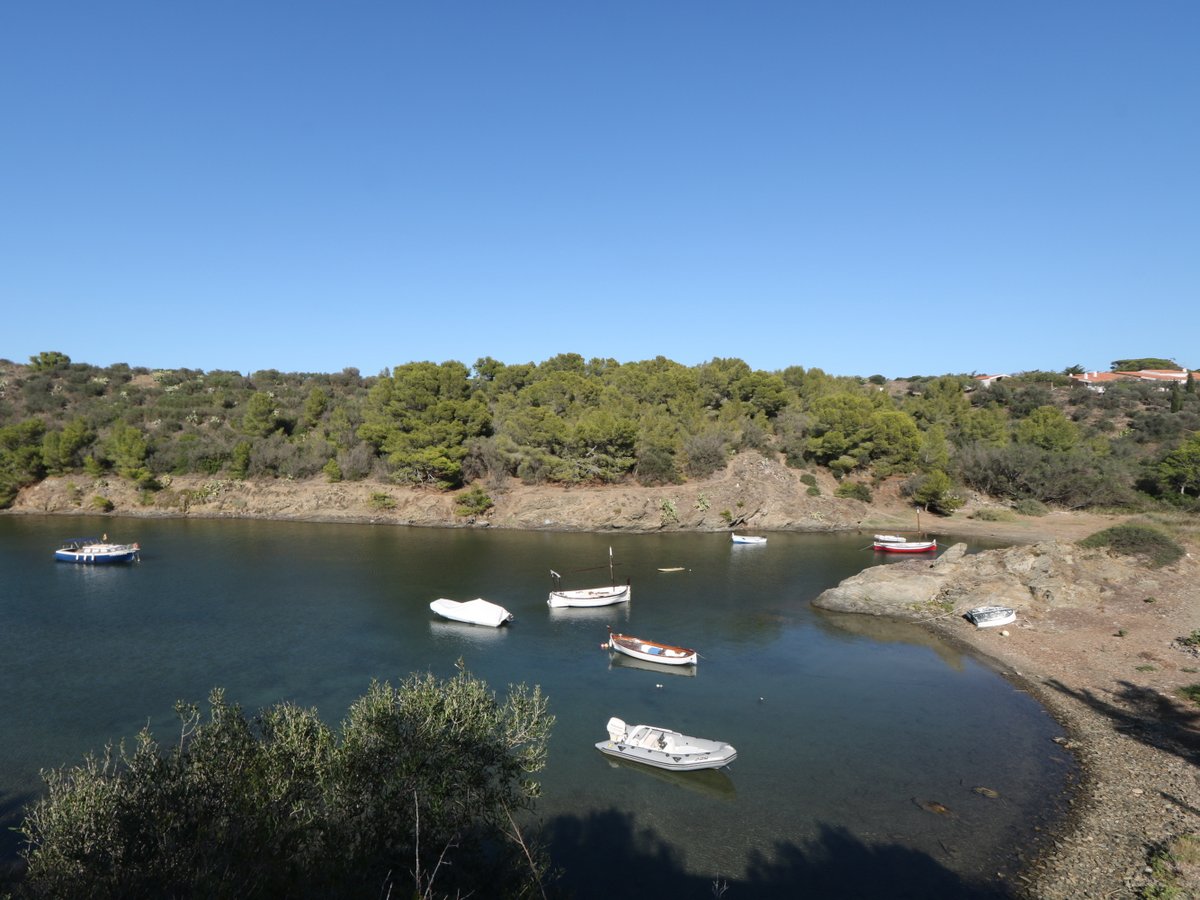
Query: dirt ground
x,y
1108,670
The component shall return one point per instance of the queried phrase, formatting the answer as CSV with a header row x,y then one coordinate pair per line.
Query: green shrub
x,y
1155,547
381,501
813,491
809,478
283,805
670,515
474,502
992,515
1030,507
1190,692
1172,869
333,472
854,490
103,504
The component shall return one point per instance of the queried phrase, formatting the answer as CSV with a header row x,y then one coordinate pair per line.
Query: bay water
x,y
860,741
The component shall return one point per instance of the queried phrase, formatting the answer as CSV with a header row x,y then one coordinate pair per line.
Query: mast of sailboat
x,y
612,579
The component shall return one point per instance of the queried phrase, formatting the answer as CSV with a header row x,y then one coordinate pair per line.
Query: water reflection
x,y
714,783
621,661
465,633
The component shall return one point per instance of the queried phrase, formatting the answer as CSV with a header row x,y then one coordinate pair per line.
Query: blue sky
x,y
892,188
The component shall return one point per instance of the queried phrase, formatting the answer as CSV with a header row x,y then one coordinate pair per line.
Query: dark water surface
x,y
844,725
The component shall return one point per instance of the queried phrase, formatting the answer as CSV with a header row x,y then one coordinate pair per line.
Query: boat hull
x,y
652,651
97,554
472,612
665,749
991,616
747,539
601,596
905,546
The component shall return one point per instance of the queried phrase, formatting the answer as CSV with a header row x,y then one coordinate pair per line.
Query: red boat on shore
x,y
888,544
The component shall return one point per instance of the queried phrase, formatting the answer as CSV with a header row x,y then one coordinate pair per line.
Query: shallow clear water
x,y
844,725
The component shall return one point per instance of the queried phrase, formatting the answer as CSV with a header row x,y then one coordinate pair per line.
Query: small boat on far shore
x,y
890,546
747,539
991,616
96,551
651,651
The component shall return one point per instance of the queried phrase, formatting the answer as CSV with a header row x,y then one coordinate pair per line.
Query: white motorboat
x,y
473,612
991,616
747,539
651,651
663,748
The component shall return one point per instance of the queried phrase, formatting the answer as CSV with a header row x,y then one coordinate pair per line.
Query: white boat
x,y
663,748
600,596
96,551
990,616
905,546
747,539
890,538
597,596
651,651
473,612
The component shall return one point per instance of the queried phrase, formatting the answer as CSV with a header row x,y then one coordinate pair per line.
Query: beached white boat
x,y
597,596
663,748
96,551
990,616
651,651
747,539
905,546
473,612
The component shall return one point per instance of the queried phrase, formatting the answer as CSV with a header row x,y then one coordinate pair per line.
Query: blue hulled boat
x,y
96,551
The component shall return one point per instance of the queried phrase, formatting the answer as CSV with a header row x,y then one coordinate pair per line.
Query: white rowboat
x,y
651,651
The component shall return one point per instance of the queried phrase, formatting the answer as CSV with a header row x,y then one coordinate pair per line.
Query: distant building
x,y
987,380
1097,381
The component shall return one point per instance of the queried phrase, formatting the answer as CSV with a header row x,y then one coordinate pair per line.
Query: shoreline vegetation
x,y
1096,640
1033,459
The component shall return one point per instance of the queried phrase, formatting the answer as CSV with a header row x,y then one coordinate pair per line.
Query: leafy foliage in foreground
x,y
415,795
1156,547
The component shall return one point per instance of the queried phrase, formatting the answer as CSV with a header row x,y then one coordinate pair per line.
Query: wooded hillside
x,y
1032,438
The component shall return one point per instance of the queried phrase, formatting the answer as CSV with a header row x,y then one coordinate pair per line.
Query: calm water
x,y
843,725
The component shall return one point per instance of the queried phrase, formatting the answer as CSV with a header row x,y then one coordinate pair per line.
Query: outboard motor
x,y
616,730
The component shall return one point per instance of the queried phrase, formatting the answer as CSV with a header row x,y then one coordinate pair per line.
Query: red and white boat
x,y
894,546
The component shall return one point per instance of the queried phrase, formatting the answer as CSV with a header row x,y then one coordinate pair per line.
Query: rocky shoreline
x,y
1095,641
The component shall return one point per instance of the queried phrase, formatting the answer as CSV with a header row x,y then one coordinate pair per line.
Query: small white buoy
x,y
658,685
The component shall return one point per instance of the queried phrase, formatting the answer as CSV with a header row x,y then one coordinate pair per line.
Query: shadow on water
x,y
833,865
1147,716
12,811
